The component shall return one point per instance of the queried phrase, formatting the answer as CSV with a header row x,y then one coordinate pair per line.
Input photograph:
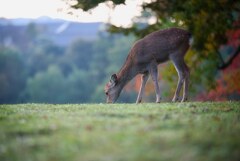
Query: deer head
x,y
112,89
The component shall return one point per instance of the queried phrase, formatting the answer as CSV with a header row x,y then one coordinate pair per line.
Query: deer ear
x,y
113,79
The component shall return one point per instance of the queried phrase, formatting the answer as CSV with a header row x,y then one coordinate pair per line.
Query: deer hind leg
x,y
183,78
154,75
144,79
186,83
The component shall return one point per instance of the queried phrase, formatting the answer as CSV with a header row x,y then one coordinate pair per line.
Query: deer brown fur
x,y
144,57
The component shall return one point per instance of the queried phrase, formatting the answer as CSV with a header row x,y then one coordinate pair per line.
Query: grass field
x,y
119,132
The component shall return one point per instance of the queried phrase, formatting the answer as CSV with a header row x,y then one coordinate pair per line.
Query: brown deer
x,y
144,57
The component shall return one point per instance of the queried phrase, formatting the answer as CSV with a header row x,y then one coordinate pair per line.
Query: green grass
x,y
119,132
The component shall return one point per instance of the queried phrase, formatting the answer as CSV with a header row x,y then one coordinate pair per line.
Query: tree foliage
x,y
227,85
89,4
12,75
213,18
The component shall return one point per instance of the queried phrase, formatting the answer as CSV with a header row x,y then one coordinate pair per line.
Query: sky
x,y
120,16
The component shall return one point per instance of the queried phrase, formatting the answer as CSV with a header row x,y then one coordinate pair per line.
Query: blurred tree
x,y
47,86
51,86
86,5
227,86
99,59
12,75
32,31
80,86
80,53
41,55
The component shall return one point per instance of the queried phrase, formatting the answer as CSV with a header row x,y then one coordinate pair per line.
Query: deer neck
x,y
126,73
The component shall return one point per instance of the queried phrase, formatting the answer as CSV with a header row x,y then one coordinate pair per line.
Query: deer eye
x,y
106,93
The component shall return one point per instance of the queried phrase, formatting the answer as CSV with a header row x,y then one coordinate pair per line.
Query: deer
x,y
145,56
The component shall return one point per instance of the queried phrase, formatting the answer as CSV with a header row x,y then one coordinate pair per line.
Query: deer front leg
x,y
144,79
154,74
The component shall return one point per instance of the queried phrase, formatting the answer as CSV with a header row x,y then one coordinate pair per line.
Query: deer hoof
x,y
158,100
138,101
184,100
175,99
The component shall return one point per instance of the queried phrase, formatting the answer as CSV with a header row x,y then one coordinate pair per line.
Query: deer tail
x,y
190,39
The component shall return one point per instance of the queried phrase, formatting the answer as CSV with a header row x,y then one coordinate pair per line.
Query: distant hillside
x,y
65,32
60,31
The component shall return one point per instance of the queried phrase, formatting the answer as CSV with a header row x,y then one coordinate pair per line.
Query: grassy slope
x,y
188,132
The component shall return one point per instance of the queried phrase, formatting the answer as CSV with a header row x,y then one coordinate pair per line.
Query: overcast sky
x,y
121,15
